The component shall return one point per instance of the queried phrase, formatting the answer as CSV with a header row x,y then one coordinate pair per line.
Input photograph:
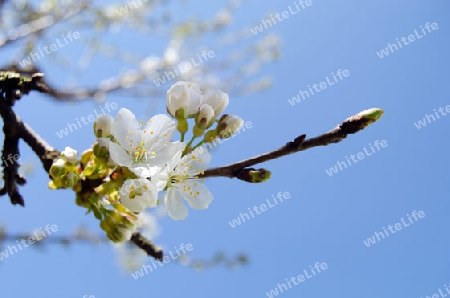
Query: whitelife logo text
x,y
398,227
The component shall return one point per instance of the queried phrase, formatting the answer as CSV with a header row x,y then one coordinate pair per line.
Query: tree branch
x,y
350,126
12,88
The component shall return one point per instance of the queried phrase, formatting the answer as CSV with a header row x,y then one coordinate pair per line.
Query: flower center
x,y
179,179
137,192
139,154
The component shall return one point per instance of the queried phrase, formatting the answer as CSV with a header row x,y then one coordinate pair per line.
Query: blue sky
x,y
327,218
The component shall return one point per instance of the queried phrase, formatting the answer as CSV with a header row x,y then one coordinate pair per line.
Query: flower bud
x,y
70,155
102,125
254,175
228,125
58,168
101,147
183,100
210,136
218,100
361,120
371,115
205,116
70,179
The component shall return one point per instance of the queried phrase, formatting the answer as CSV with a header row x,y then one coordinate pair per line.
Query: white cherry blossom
x,y
183,95
143,148
217,99
138,194
183,182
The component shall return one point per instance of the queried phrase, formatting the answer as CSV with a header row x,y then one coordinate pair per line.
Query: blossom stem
x,y
198,145
188,146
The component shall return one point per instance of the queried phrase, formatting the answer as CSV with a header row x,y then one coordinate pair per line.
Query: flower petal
x,y
163,128
119,155
166,153
142,170
197,161
103,142
160,178
71,155
174,205
196,194
125,121
217,99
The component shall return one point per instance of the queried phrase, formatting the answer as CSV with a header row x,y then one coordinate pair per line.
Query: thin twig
x,y
349,126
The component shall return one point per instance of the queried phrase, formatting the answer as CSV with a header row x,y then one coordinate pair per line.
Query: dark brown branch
x,y
11,176
15,128
147,246
349,126
12,88
79,94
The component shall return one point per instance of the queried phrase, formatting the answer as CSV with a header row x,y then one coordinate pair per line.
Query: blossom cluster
x,y
132,162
